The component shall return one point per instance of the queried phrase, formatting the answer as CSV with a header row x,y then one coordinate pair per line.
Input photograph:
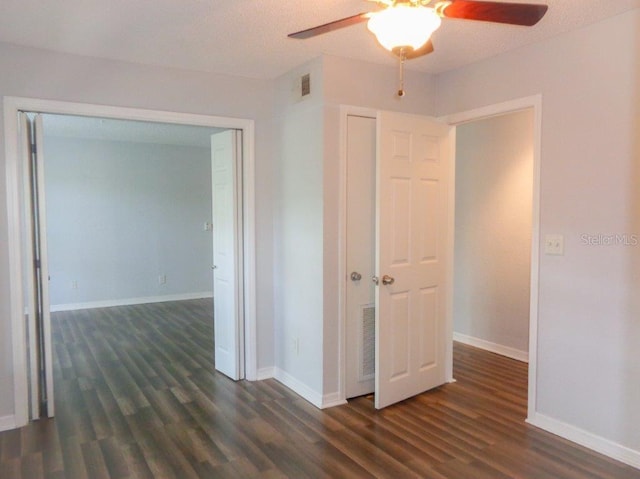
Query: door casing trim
x,y
533,102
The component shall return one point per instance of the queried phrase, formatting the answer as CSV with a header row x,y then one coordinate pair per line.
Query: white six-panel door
x,y
411,255
227,244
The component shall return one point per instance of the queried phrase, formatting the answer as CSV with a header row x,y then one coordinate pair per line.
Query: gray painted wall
x,y
299,233
121,214
588,328
494,178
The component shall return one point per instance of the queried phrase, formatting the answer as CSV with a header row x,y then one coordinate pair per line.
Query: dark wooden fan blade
x,y
527,14
331,26
410,53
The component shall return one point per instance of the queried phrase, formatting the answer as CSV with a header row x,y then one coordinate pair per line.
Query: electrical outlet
x,y
554,244
74,284
162,279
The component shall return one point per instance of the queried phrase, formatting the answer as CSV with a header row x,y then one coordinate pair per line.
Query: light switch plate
x,y
554,244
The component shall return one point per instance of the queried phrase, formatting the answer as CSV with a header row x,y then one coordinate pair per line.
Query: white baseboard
x,y
7,422
492,347
586,439
298,387
265,373
129,301
332,400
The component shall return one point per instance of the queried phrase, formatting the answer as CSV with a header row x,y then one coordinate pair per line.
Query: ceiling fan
x,y
404,27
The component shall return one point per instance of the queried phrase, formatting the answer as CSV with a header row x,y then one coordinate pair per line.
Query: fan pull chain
x,y
401,79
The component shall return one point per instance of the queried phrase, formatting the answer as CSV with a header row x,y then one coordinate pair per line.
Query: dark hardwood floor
x,y
137,397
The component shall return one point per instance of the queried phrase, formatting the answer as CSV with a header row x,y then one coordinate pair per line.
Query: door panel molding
x,y
413,157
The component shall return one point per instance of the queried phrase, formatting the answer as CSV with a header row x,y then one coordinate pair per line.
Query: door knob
x,y
387,280
355,276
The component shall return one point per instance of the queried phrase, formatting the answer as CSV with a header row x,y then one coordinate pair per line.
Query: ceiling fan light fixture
x,y
404,25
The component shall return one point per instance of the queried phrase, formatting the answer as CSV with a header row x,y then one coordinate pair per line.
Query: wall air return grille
x,y
305,85
368,341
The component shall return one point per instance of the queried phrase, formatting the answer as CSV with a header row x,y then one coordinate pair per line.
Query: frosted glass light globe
x,y
404,26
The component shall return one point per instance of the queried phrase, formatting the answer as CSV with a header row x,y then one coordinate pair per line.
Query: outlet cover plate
x,y
554,244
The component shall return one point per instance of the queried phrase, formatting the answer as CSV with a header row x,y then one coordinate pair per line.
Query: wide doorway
x,y
34,384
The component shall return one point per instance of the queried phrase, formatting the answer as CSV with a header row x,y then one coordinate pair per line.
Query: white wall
x,y
120,214
298,233
38,73
357,83
589,307
494,179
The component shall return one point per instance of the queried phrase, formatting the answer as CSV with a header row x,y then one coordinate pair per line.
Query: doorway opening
x,y
492,245
495,231
19,247
492,252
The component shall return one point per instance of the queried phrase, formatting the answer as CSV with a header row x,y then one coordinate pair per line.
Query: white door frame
x,y
534,102
12,105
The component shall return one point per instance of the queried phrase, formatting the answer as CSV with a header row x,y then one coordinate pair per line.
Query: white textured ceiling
x,y
249,37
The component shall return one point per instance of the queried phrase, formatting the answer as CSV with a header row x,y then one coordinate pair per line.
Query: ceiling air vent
x,y
305,85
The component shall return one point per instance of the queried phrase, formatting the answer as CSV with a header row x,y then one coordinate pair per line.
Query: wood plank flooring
x,y
137,397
